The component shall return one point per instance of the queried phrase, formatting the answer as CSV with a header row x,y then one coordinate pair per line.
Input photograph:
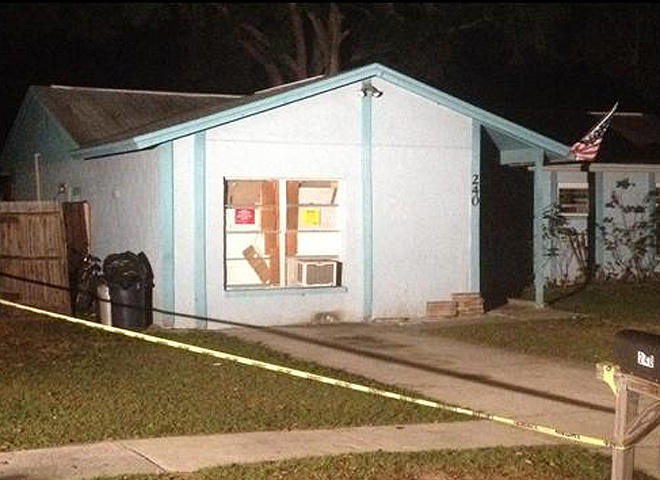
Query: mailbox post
x,y
637,374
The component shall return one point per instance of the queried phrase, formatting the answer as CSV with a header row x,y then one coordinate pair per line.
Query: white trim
x,y
619,114
282,207
572,185
622,167
601,167
569,167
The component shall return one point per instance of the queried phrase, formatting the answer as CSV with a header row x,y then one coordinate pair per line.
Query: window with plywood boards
x,y
282,233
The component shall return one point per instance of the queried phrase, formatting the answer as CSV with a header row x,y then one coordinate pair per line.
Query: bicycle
x,y
86,300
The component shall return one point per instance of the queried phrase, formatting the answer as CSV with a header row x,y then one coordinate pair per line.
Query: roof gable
x,y
167,125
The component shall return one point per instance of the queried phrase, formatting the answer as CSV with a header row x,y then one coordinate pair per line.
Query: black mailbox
x,y
638,353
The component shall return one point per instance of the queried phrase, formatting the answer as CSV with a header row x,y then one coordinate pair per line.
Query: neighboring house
x,y
585,199
627,166
366,194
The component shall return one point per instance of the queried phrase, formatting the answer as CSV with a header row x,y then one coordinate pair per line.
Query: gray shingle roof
x,y
94,115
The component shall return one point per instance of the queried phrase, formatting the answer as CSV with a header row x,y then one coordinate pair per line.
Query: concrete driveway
x,y
408,354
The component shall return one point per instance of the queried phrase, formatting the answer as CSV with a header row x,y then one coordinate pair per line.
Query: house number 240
x,y
476,194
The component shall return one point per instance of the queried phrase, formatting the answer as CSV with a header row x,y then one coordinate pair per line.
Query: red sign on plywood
x,y
244,216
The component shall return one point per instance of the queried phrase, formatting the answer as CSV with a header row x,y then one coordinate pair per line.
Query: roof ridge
x,y
147,92
290,84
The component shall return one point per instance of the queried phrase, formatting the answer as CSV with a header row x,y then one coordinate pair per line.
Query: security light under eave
x,y
371,90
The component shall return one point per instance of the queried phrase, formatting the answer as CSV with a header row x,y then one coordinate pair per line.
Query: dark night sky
x,y
541,57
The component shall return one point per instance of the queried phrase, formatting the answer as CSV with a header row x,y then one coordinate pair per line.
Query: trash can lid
x,y
124,269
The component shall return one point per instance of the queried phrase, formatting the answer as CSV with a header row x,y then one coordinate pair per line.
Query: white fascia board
x,y
602,167
622,167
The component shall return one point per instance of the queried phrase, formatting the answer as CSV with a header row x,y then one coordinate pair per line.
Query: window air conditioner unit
x,y
316,273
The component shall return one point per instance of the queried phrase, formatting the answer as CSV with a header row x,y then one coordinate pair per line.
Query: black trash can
x,y
130,282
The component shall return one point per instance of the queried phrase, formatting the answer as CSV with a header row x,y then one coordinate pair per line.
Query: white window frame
x,y
572,186
284,281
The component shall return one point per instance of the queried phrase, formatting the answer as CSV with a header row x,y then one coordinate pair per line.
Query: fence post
x,y
623,458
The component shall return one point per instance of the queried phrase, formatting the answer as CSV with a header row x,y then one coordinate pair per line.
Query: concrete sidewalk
x,y
186,454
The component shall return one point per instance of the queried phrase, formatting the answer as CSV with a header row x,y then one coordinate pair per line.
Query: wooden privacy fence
x,y
33,246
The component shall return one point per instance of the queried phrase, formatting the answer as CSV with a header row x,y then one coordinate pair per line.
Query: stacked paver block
x,y
468,304
441,309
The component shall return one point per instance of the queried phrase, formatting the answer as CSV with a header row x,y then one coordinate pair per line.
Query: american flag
x,y
586,149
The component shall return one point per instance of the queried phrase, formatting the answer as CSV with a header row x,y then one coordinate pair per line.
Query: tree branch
x,y
300,65
256,45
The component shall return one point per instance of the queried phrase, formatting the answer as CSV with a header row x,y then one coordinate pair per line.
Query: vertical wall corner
x,y
541,197
166,197
366,112
474,235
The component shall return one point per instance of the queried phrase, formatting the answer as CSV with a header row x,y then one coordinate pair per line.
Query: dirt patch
x,y
367,341
523,309
434,475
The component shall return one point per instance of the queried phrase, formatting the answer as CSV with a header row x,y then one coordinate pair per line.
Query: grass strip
x,y
601,309
513,463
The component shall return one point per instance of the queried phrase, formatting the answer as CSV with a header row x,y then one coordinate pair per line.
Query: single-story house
x,y
366,194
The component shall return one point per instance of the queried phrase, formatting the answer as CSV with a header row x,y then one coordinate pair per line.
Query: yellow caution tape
x,y
586,439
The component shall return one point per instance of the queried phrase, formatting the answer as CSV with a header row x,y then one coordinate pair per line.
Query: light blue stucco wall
x,y
318,138
124,199
34,133
422,161
189,229
123,191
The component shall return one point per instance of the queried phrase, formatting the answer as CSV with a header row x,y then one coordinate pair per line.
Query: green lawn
x,y
602,310
518,463
64,383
